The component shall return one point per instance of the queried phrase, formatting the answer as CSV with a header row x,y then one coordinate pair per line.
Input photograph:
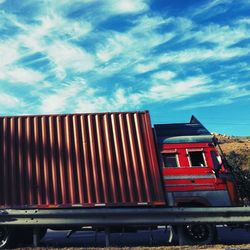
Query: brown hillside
x,y
240,145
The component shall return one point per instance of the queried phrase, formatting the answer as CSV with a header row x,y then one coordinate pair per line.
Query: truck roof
x,y
194,131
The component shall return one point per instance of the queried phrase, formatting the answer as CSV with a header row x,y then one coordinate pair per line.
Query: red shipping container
x,y
82,160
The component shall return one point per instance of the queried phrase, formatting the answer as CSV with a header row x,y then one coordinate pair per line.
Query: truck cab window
x,y
197,159
170,160
215,160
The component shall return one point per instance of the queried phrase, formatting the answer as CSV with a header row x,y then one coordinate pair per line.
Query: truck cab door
x,y
188,168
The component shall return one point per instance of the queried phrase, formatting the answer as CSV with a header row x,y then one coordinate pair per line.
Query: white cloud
x,y
85,105
21,75
213,5
55,25
114,45
164,75
142,38
78,96
223,36
94,102
243,21
97,10
126,6
145,31
210,102
133,45
52,36
60,98
146,22
124,99
169,91
9,71
228,93
9,101
144,67
233,91
178,90
183,24
8,52
67,56
200,54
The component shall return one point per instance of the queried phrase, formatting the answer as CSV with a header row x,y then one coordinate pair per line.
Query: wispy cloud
x,y
213,7
163,75
126,6
221,35
244,21
93,55
60,97
8,52
9,103
229,93
21,75
134,43
177,90
197,55
165,90
143,67
67,56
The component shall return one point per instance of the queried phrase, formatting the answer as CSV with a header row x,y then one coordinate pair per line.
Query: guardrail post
x,y
180,235
107,237
35,236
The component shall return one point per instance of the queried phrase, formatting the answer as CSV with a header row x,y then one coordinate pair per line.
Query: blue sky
x,y
174,58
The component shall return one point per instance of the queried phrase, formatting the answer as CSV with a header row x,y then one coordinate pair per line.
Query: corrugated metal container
x,y
86,160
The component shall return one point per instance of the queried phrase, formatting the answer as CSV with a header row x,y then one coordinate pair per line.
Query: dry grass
x,y
240,145
237,144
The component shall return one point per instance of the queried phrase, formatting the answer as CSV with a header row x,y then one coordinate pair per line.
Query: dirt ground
x,y
226,247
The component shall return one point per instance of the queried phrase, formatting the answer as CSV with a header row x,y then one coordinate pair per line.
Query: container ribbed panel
x,y
78,160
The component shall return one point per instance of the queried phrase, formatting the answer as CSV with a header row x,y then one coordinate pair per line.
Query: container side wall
x,y
83,160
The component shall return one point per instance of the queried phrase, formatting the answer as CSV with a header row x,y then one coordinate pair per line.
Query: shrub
x,y
242,177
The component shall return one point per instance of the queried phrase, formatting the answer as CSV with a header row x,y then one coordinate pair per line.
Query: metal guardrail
x,y
124,216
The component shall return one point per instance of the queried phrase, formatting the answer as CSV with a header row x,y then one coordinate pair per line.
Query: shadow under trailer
x,y
112,172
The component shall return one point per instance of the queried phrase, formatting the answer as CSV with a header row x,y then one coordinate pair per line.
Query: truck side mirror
x,y
217,161
217,168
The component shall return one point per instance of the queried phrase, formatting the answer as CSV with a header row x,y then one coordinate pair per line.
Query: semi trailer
x,y
112,172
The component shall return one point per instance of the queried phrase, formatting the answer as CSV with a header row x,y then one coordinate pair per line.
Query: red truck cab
x,y
192,169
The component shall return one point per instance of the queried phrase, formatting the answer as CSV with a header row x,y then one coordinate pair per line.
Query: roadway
x,y
143,238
